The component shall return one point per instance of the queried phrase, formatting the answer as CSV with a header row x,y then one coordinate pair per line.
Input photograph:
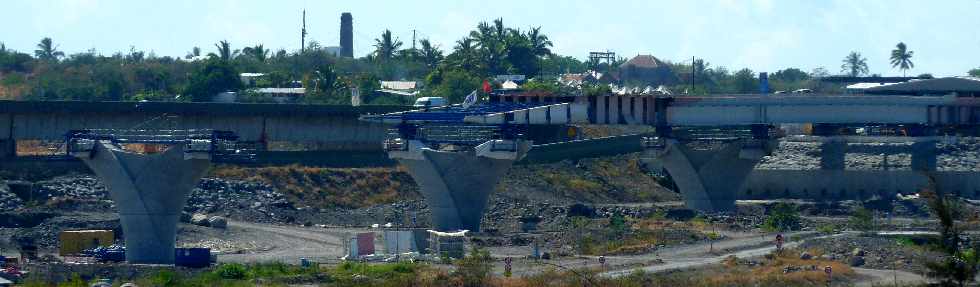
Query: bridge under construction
x,y
707,145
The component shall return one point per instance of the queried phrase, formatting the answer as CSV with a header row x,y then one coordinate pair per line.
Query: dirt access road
x,y
286,243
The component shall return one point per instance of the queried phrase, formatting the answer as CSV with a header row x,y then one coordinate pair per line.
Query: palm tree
x,y
902,58
46,50
431,55
466,54
224,51
259,52
539,42
386,46
854,65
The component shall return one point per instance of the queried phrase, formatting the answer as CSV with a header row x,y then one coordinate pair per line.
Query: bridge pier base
x,y
709,177
150,191
456,185
924,155
832,154
8,148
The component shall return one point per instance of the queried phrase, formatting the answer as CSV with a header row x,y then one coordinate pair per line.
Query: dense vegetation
x,y
490,49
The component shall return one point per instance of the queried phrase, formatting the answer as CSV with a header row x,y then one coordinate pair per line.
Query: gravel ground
x,y
879,252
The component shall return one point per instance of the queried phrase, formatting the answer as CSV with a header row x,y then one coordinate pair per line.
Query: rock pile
x,y
235,197
8,201
962,155
249,200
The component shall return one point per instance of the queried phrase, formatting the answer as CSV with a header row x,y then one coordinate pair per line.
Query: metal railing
x,y
223,144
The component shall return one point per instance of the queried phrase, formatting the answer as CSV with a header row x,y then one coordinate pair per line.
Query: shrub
x,y
474,270
862,220
783,217
231,271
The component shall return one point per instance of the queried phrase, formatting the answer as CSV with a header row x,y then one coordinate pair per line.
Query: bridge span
x,y
321,127
709,146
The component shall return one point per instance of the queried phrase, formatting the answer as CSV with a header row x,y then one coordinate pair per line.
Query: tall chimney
x,y
346,36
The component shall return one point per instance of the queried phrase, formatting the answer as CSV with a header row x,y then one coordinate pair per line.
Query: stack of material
x,y
360,245
448,244
405,241
74,242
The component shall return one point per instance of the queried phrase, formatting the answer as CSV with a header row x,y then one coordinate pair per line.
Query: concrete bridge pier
x,y
8,149
710,175
832,154
150,191
457,184
924,155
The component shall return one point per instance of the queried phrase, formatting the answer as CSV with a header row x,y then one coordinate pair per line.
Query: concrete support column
x,y
709,177
8,148
832,152
457,184
924,155
150,191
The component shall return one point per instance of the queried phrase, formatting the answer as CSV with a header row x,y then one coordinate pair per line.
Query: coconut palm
x,y
431,55
540,45
259,52
386,46
224,51
854,65
902,58
46,50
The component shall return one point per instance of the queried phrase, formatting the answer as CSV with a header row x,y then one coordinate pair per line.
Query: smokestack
x,y
346,36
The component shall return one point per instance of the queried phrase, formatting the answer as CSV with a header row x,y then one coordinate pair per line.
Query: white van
x,y
429,102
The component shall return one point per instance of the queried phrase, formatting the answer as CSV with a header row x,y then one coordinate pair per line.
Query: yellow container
x,y
75,241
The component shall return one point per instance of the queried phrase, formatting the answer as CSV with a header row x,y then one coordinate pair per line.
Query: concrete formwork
x,y
708,178
150,191
456,185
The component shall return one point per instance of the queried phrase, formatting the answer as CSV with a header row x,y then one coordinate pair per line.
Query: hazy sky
x,y
763,35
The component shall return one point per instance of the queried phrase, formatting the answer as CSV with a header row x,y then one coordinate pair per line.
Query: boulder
x,y
200,219
857,261
218,222
805,255
857,252
185,217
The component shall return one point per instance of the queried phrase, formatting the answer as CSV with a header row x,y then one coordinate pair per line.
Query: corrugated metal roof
x,y
281,90
399,85
932,86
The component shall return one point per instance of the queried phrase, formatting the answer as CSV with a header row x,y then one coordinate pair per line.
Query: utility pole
x,y
692,76
302,41
413,39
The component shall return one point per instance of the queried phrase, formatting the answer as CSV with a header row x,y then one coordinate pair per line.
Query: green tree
x,y
902,58
224,51
386,46
453,84
195,52
259,52
215,77
854,65
745,82
46,50
783,217
961,264
862,219
974,72
790,75
430,54
540,45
